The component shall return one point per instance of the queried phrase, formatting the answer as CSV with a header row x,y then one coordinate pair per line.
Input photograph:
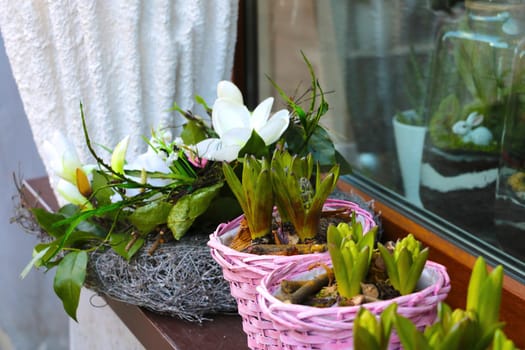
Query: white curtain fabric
x,y
127,61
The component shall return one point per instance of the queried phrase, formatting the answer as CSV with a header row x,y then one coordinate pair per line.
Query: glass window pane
x,y
379,61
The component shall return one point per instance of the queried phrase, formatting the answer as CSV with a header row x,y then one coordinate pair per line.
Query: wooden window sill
x,y
225,332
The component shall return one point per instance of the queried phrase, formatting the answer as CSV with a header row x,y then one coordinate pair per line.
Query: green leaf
x,y
119,242
368,240
456,336
501,342
415,271
390,264
363,336
189,207
46,221
222,208
359,270
263,207
346,168
334,240
69,210
477,278
404,262
192,133
410,337
295,137
36,258
235,185
149,216
387,321
77,238
75,220
490,298
321,147
44,260
69,278
200,100
348,259
254,146
101,189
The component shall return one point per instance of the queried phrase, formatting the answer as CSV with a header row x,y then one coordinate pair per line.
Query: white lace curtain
x,y
127,61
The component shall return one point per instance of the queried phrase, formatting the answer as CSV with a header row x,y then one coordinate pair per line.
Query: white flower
x,y
151,161
234,124
70,193
62,157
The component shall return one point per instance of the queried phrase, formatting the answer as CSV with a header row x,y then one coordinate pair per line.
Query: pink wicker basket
x,y
307,327
244,272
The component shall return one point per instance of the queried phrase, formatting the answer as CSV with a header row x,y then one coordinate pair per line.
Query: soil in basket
x,y
321,291
283,239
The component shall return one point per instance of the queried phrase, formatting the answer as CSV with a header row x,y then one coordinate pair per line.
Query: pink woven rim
x,y
244,273
300,325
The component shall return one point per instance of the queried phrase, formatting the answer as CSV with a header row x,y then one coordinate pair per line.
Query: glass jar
x,y
467,104
509,208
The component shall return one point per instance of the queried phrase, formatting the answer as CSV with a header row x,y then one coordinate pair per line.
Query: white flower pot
x,y
409,146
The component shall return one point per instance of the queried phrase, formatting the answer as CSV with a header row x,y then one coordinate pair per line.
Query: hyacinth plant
x,y
405,264
475,327
371,332
351,253
297,199
255,194
361,272
285,182
120,203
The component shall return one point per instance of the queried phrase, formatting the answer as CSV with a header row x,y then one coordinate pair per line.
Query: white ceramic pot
x,y
409,147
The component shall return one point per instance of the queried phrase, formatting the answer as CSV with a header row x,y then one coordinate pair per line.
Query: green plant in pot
x,y
285,182
364,274
415,87
475,327
290,184
324,301
472,77
472,82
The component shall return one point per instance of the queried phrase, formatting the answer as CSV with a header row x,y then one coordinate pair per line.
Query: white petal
x,y
229,91
62,156
50,154
227,153
216,150
276,126
150,162
206,148
237,136
61,142
261,114
227,116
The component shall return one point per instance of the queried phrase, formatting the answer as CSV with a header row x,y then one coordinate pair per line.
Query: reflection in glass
x,y
467,106
373,57
510,189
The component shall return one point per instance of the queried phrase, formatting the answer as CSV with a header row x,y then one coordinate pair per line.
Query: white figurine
x,y
471,132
